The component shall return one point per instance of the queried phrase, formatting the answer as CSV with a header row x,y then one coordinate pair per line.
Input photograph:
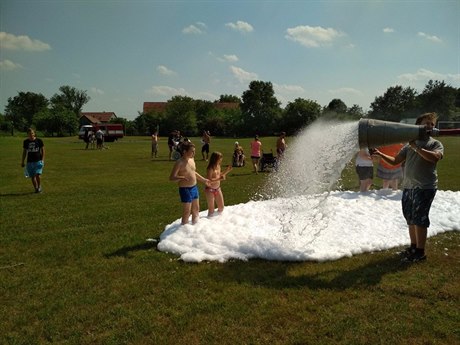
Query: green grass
x,y
75,267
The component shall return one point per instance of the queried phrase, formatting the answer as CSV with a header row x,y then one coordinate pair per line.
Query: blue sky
x,y
124,53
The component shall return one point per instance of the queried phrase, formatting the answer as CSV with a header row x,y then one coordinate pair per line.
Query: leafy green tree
x,y
260,109
229,99
181,115
355,112
298,114
21,109
336,106
438,97
71,99
396,103
57,120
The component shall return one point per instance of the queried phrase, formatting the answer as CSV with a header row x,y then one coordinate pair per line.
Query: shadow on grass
x,y
17,194
126,251
277,275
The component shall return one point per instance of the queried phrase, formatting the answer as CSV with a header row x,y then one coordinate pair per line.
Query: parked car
x,y
112,131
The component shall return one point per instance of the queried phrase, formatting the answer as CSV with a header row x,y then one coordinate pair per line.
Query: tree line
x,y
258,111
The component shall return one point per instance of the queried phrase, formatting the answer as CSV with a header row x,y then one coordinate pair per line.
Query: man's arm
x,y
430,156
43,153
389,159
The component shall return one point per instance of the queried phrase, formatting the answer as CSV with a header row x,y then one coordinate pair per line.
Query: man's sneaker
x,y
38,190
415,257
407,252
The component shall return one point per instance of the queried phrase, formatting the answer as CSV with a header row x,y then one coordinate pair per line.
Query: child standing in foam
x,y
184,172
215,175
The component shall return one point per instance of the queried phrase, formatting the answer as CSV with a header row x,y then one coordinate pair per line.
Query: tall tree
x,y
71,99
57,120
181,115
299,114
21,109
336,106
229,99
396,103
438,97
260,109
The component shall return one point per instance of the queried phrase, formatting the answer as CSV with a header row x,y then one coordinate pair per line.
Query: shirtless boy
x,y
184,172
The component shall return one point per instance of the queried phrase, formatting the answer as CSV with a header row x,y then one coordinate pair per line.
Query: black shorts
x,y
205,148
365,172
416,204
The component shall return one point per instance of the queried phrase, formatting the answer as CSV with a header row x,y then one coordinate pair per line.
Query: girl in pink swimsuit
x,y
215,175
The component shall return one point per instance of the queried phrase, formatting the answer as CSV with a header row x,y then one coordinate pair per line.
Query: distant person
x,y
100,139
184,172
390,174
420,183
238,155
86,138
34,150
171,142
214,174
205,140
281,145
365,169
256,153
155,139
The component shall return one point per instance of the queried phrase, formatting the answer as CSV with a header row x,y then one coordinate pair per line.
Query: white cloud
x,y
345,90
195,29
313,37
242,75
291,89
165,91
165,70
228,58
388,30
8,65
97,91
12,42
424,75
430,37
240,26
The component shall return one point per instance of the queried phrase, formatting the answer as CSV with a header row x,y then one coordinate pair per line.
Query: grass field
x,y
75,267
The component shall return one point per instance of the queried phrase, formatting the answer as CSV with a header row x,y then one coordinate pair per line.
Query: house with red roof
x,y
96,118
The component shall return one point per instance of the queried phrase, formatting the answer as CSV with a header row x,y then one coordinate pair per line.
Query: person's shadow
x,y
127,250
276,274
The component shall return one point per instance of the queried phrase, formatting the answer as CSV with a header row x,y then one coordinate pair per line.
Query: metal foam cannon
x,y
375,133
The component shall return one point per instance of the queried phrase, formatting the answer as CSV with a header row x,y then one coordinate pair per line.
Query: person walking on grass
x,y
420,184
213,192
155,140
205,140
34,150
256,153
184,172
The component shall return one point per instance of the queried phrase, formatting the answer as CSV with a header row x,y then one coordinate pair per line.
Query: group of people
x,y
390,174
94,138
418,158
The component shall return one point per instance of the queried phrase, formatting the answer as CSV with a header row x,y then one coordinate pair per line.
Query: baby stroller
x,y
268,161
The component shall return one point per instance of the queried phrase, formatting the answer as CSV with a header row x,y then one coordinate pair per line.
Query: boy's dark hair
x,y
186,145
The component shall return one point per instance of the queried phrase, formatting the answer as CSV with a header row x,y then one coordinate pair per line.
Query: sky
x,y
301,215
124,53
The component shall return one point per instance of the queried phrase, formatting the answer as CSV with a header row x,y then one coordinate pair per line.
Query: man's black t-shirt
x,y
33,148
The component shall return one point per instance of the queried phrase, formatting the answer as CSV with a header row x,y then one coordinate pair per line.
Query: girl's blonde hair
x,y
214,160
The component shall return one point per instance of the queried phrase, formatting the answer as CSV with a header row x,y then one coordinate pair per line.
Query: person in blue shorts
x,y
34,150
420,184
184,172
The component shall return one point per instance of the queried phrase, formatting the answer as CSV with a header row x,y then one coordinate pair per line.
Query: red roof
x,y
101,116
154,106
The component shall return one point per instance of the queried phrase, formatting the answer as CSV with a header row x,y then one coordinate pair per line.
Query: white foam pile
x,y
301,218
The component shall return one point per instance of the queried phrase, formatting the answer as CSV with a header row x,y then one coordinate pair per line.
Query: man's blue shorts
x,y
187,194
34,168
416,204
